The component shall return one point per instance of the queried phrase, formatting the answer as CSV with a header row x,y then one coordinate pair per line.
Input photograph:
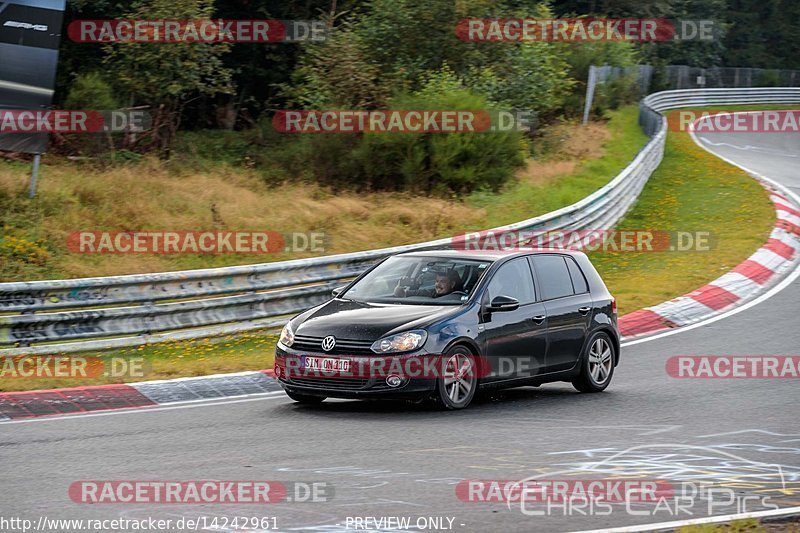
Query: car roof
x,y
482,255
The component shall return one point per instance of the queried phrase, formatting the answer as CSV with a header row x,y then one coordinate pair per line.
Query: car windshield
x,y
408,279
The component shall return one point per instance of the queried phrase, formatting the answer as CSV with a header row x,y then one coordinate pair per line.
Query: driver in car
x,y
446,282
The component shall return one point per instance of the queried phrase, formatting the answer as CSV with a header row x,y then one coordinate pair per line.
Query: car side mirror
x,y
337,291
503,303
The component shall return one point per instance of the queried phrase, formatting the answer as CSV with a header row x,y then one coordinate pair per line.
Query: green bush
x,y
393,46
213,146
428,163
616,93
90,91
610,95
768,78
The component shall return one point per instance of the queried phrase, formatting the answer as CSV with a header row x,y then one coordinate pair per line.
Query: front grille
x,y
343,346
332,383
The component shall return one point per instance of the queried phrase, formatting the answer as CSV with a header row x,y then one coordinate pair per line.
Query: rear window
x,y
578,279
553,276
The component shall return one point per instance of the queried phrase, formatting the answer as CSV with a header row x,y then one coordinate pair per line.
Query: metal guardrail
x,y
111,312
651,106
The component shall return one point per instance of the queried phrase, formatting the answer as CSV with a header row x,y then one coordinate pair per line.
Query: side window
x,y
553,276
513,279
578,279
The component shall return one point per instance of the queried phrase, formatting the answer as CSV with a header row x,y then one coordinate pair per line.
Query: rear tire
x,y
305,398
597,364
456,388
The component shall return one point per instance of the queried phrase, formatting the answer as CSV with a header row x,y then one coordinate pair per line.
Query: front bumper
x,y
359,385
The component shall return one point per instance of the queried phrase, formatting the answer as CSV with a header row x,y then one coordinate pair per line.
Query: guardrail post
x,y
34,175
25,343
590,85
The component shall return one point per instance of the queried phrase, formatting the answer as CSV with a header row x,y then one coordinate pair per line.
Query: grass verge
x,y
691,191
197,357
534,194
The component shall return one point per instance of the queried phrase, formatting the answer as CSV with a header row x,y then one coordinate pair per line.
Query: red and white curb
x,y
745,281
31,404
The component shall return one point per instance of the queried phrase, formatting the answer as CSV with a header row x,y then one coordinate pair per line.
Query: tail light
x,y
614,305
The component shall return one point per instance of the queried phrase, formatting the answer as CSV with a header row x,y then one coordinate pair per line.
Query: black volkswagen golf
x,y
442,324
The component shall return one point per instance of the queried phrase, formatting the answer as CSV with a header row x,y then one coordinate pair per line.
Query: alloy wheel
x,y
600,361
459,377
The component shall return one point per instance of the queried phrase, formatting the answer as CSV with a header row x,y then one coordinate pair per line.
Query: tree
x,y
395,45
695,53
78,59
339,73
165,75
763,34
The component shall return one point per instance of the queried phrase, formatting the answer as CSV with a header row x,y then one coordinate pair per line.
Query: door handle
x,y
539,318
584,310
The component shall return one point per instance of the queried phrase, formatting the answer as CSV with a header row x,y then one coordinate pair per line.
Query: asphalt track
x,y
394,459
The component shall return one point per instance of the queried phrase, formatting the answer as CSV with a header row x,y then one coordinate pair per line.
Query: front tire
x,y
597,365
305,398
456,388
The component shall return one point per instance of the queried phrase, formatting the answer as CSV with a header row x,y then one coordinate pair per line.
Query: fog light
x,y
394,381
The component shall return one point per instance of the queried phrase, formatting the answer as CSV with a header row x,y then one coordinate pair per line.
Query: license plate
x,y
326,364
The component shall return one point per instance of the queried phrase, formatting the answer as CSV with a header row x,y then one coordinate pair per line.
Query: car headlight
x,y
402,342
287,336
